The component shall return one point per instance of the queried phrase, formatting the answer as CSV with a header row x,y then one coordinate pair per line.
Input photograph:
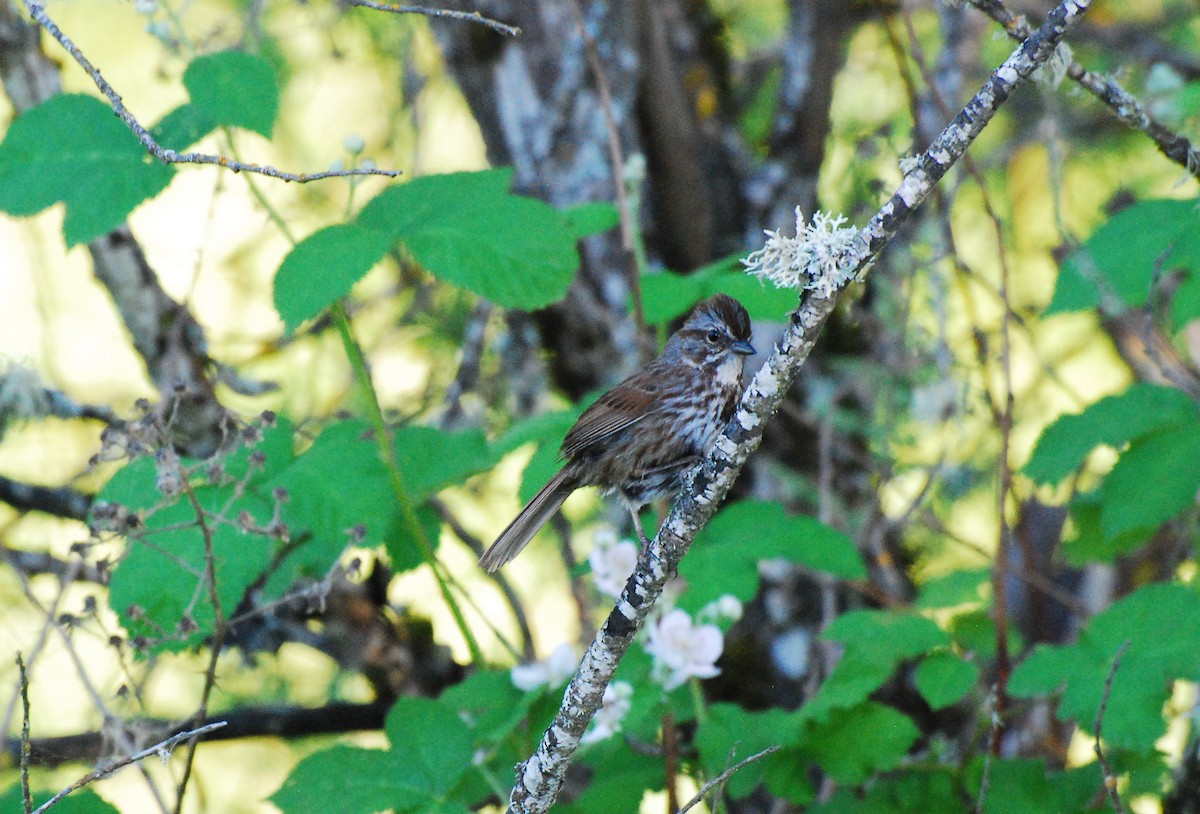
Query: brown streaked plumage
x,y
641,436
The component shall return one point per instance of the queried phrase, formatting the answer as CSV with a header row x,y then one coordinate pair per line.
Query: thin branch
x,y
26,797
162,749
38,13
1110,780
724,776
616,158
1122,103
465,16
541,776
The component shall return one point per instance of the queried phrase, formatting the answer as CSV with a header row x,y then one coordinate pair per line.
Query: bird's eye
x,y
713,336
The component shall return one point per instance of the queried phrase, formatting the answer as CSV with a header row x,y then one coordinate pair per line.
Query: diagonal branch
x,y
38,13
1120,101
541,776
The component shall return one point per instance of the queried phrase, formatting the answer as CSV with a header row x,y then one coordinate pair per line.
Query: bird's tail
x,y
527,523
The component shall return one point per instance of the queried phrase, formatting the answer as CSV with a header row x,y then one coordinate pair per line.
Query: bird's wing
x,y
617,410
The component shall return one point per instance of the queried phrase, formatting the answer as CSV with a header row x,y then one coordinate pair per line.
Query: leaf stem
x,y
387,451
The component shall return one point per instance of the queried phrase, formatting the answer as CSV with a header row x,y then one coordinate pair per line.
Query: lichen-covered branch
x,y
540,777
1122,103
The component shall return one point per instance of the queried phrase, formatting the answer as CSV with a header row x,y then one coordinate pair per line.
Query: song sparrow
x,y
641,436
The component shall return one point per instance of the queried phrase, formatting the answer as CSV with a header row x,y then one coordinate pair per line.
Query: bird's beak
x,y
742,348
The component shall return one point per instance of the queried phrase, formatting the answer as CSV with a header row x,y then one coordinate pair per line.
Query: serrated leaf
x,y
943,679
1134,717
468,230
1088,542
590,218
1122,255
72,149
730,734
838,744
183,127
432,459
360,780
1170,460
234,89
726,555
162,575
668,295
962,586
430,752
323,267
876,643
1112,421
432,743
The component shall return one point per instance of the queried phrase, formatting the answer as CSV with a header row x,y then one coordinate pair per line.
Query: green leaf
x,y
323,267
962,586
161,579
668,295
468,230
1022,785
84,801
1168,459
620,778
730,734
944,679
876,643
591,218
1134,717
183,127
1121,256
431,459
1088,542
360,780
72,149
725,558
432,744
234,89
430,753
852,744
1112,421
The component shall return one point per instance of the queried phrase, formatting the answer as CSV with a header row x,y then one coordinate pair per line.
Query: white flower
x,y
145,7
818,258
612,562
552,671
725,608
612,712
354,144
682,650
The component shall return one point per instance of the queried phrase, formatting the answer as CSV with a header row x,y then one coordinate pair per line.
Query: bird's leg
x,y
637,525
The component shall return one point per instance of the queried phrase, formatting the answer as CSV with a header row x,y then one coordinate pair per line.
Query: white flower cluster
x,y
551,672
612,561
682,649
819,258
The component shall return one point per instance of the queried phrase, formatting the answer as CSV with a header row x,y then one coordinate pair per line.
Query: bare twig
x,y
985,780
38,13
26,797
162,749
724,776
220,632
1110,780
541,776
465,16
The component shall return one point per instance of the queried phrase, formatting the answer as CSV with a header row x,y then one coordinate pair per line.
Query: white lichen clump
x,y
820,258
